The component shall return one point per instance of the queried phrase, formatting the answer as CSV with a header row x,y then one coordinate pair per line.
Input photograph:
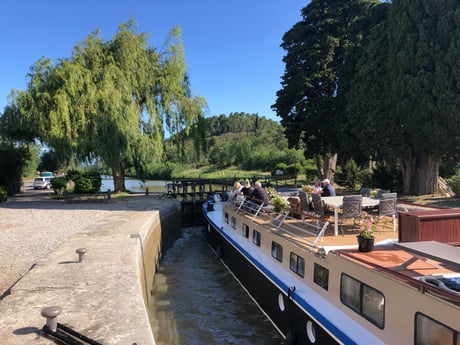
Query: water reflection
x,y
135,185
197,301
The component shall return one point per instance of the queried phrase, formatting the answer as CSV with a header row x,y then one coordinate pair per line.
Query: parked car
x,y
42,182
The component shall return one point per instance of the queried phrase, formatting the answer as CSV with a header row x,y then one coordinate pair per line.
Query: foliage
x,y
277,200
387,177
314,67
454,183
59,185
48,161
13,163
366,229
87,182
111,100
3,194
348,175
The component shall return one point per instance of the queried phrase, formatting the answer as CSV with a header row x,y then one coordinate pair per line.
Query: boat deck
x,y
402,263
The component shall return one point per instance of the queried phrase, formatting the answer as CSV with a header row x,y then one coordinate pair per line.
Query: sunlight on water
x,y
197,301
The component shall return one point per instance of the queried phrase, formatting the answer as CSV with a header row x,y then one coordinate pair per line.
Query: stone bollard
x,y
51,314
146,191
81,254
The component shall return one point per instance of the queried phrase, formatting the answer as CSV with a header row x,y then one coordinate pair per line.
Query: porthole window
x,y
281,302
311,332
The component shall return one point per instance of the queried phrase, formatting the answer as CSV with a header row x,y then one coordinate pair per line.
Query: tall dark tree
x,y
424,71
315,60
370,130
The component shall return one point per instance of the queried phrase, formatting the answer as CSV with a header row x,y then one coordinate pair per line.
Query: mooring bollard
x,y
51,314
81,254
146,191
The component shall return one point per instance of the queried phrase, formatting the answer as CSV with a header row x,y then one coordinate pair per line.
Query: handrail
x,y
279,219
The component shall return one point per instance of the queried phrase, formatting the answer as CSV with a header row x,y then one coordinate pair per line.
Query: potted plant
x,y
366,236
278,202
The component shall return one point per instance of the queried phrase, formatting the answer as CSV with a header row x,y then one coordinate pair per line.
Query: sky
x,y
232,48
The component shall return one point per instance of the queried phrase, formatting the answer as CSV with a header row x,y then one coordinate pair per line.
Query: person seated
x,y
259,194
236,192
317,188
247,190
328,188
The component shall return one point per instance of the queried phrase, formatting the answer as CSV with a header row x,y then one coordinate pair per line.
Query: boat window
x,y
277,251
256,237
430,331
297,264
233,222
245,230
321,276
226,218
363,299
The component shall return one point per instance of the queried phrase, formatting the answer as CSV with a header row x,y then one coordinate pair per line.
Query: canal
x,y
196,301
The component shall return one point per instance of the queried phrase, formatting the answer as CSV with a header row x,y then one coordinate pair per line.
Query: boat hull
x,y
290,322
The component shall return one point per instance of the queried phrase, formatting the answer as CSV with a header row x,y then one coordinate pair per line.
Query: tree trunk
x,y
326,165
118,173
420,174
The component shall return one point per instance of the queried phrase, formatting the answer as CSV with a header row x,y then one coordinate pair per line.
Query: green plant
x,y
366,230
277,200
88,182
3,194
59,185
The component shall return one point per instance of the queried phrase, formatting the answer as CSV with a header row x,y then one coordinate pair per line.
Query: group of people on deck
x,y
324,188
260,195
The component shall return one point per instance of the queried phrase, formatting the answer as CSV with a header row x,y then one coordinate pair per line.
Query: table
x,y
337,202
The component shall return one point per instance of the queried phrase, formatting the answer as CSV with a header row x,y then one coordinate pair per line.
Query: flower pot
x,y
365,244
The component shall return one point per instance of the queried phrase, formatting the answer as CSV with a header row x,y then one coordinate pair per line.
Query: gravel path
x,y
32,225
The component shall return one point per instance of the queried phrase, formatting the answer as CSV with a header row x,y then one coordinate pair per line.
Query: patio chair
x,y
351,209
304,201
387,208
365,192
381,192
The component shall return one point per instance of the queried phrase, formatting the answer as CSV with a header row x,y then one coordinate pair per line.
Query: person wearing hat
x,y
328,189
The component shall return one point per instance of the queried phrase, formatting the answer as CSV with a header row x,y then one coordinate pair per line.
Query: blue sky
x,y
231,47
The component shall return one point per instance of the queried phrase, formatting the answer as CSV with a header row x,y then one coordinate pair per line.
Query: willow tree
x,y
314,63
424,70
112,100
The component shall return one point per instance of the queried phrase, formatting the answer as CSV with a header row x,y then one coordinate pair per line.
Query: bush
x,y
454,183
3,194
87,182
59,185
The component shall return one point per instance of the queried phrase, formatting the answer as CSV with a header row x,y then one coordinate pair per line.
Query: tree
x,y
112,100
314,62
424,70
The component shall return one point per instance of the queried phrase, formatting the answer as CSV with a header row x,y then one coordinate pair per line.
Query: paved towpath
x,y
101,297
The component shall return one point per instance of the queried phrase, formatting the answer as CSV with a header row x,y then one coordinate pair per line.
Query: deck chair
x,y
381,192
365,192
304,201
387,208
351,209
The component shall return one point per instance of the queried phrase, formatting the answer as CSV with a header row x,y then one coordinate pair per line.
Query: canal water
x,y
196,301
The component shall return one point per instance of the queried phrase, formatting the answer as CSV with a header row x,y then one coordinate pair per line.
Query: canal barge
x,y
316,287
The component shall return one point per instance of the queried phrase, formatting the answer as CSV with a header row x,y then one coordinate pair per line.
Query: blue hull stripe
x,y
336,332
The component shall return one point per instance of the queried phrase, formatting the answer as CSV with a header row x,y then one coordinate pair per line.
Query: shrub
x,y
59,185
87,182
3,194
454,183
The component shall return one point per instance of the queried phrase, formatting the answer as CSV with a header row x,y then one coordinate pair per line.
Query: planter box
x,y
442,225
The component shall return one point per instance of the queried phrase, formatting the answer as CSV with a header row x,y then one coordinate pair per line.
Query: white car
x,y
42,183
